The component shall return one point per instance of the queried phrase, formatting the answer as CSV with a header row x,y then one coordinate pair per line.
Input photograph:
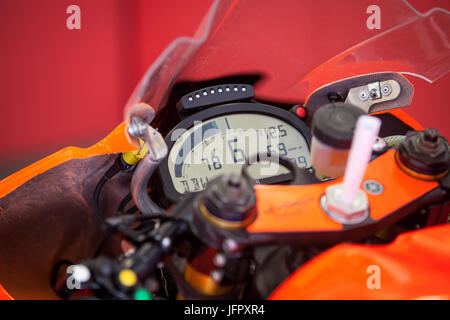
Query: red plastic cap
x,y
301,112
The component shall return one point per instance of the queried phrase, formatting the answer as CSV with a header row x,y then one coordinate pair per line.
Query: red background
x,y
61,87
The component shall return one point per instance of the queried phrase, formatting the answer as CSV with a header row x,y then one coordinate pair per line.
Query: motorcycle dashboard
x,y
223,138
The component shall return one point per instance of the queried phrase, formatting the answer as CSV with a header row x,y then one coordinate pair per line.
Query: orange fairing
x,y
115,142
4,295
297,208
415,266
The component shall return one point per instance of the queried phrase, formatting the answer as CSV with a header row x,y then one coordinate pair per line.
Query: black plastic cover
x,y
215,95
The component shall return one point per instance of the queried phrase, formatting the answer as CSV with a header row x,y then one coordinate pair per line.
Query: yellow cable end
x,y
133,157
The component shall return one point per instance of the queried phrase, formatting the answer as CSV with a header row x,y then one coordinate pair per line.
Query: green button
x,y
142,294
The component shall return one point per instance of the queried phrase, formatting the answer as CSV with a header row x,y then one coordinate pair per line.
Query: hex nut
x,y
342,213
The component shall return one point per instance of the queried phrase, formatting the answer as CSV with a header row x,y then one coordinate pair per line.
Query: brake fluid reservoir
x,y
332,129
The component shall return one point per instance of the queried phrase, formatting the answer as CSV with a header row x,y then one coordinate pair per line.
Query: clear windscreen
x,y
295,47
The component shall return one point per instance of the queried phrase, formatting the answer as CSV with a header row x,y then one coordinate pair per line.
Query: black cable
x,y
139,218
103,243
123,204
97,191
97,214
120,211
118,165
133,209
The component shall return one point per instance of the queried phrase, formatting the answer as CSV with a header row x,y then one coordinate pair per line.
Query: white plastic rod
x,y
366,131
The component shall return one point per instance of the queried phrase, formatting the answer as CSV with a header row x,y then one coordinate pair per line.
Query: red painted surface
x,y
60,87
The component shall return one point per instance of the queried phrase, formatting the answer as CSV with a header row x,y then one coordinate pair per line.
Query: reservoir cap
x,y
334,123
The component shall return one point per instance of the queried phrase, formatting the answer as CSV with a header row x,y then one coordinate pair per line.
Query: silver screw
x,y
219,260
166,242
386,89
363,95
217,275
229,245
373,187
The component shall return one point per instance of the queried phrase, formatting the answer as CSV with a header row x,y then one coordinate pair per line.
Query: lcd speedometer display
x,y
224,143
221,139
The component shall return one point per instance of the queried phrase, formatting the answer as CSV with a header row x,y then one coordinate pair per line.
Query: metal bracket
x,y
368,95
371,92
